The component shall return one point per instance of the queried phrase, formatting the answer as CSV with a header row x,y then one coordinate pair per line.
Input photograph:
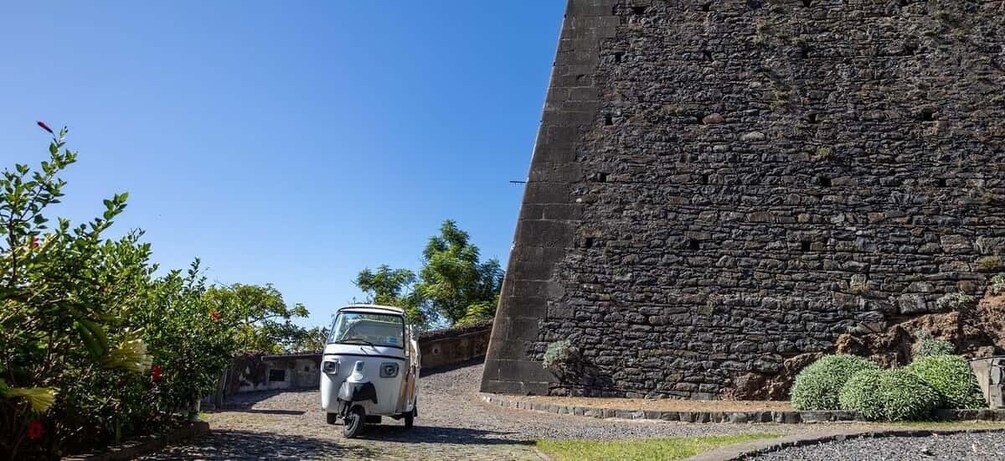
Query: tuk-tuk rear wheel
x,y
409,419
354,421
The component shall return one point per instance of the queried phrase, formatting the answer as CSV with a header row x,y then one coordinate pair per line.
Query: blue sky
x,y
286,142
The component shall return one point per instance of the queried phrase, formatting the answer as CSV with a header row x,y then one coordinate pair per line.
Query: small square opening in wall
x,y
940,182
824,181
706,7
637,10
588,242
807,3
277,375
619,56
927,115
608,120
805,245
813,119
693,244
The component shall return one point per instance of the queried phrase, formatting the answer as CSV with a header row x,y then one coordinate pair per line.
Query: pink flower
x,y
44,126
34,242
155,373
215,315
35,429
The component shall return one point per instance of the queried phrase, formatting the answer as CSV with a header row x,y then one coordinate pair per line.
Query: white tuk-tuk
x,y
369,368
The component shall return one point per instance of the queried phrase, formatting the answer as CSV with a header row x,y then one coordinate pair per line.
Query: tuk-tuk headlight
x,y
330,367
388,370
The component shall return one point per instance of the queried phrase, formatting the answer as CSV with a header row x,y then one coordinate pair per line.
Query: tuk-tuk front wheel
x,y
352,426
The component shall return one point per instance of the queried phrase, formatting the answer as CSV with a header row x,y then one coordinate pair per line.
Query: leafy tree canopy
x,y
453,283
264,317
393,287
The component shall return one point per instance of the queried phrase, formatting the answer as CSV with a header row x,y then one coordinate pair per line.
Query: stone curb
x,y
145,445
739,417
751,449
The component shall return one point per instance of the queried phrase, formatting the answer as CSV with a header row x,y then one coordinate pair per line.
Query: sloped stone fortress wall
x,y
720,187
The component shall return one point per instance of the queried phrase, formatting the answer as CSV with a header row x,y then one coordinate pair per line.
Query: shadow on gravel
x,y
247,399
266,411
230,444
420,434
445,368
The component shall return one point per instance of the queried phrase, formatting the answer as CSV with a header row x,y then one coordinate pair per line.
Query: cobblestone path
x,y
452,424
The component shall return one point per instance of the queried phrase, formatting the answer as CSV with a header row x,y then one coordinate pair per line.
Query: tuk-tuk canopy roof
x,y
373,309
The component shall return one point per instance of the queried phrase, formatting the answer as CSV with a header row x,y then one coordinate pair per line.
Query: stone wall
x,y
454,345
721,189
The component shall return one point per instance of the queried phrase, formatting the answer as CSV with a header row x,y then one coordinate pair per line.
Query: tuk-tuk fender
x,y
357,392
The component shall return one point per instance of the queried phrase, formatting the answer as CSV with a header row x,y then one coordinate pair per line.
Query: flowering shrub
x,y
951,376
817,386
892,395
93,347
560,354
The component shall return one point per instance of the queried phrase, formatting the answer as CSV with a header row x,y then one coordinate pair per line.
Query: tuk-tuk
x,y
369,368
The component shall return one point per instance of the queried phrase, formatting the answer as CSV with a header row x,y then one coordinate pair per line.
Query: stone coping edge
x,y
145,445
783,417
749,450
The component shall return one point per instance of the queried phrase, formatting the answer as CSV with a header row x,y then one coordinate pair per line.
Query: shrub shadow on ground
x,y
241,445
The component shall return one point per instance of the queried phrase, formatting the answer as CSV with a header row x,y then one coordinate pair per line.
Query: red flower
x,y
44,126
155,373
35,429
34,241
215,315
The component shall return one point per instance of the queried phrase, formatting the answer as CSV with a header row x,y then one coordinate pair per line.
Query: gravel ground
x,y
970,446
452,424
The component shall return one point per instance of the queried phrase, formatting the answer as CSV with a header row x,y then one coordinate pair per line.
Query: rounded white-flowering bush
x,y
559,354
951,376
861,394
818,385
892,395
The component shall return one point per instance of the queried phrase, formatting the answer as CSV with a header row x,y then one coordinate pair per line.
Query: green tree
x,y
311,340
264,318
453,280
394,287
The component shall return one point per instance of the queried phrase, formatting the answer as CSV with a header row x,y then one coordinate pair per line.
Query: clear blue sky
x,y
286,142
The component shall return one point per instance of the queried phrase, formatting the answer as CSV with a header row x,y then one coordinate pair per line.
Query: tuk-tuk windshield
x,y
368,328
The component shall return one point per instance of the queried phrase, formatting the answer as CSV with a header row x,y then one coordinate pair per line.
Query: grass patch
x,y
672,448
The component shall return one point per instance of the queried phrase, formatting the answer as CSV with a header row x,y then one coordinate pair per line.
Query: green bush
x,y
93,347
951,376
559,354
861,394
998,284
892,395
925,345
818,385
